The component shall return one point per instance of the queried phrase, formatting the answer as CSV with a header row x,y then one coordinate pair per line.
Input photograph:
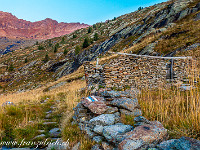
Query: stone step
x,y
48,123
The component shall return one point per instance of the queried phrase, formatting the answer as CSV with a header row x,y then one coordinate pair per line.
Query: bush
x,y
90,30
96,36
40,47
77,50
46,58
55,49
74,36
86,43
26,60
11,67
65,51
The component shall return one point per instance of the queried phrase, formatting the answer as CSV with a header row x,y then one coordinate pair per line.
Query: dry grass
x,y
179,111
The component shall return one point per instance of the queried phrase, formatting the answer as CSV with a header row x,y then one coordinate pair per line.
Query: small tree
x,y
40,47
74,36
77,50
46,58
140,8
65,51
86,43
36,43
94,26
63,40
11,67
96,36
114,18
26,60
90,30
55,49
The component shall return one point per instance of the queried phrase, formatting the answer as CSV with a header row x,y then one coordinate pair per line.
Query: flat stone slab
x,y
125,103
104,120
95,104
111,133
48,123
143,135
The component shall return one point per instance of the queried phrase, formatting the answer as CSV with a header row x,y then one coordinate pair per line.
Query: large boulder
x,y
104,120
144,135
125,103
111,133
184,143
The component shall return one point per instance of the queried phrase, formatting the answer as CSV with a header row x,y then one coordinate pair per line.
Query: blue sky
x,y
84,11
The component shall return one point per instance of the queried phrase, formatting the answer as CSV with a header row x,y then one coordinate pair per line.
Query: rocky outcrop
x,y
12,27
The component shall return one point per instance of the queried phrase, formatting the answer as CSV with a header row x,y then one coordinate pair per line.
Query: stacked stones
x,y
137,71
99,117
94,74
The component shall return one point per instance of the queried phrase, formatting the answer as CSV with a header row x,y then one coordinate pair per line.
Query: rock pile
x,y
99,117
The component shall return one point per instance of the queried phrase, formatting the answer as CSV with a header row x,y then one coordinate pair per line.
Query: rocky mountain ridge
x,y
12,27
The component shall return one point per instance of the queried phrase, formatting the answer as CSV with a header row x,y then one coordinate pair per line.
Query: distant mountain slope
x,y
12,27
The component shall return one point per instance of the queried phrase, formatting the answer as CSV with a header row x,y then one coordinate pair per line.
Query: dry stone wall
x,y
129,70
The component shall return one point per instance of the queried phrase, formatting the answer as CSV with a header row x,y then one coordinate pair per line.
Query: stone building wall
x,y
129,70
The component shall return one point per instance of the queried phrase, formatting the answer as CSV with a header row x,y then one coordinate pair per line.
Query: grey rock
x,y
125,103
166,145
107,146
104,119
55,132
96,147
39,136
197,17
76,146
59,145
111,110
143,136
111,94
49,123
98,129
135,112
141,119
110,132
89,133
184,143
97,139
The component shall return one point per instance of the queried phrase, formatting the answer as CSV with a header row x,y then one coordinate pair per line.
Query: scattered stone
x,y
55,132
77,146
111,132
48,123
165,145
59,145
96,147
126,103
97,139
143,135
41,136
107,146
48,116
41,131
